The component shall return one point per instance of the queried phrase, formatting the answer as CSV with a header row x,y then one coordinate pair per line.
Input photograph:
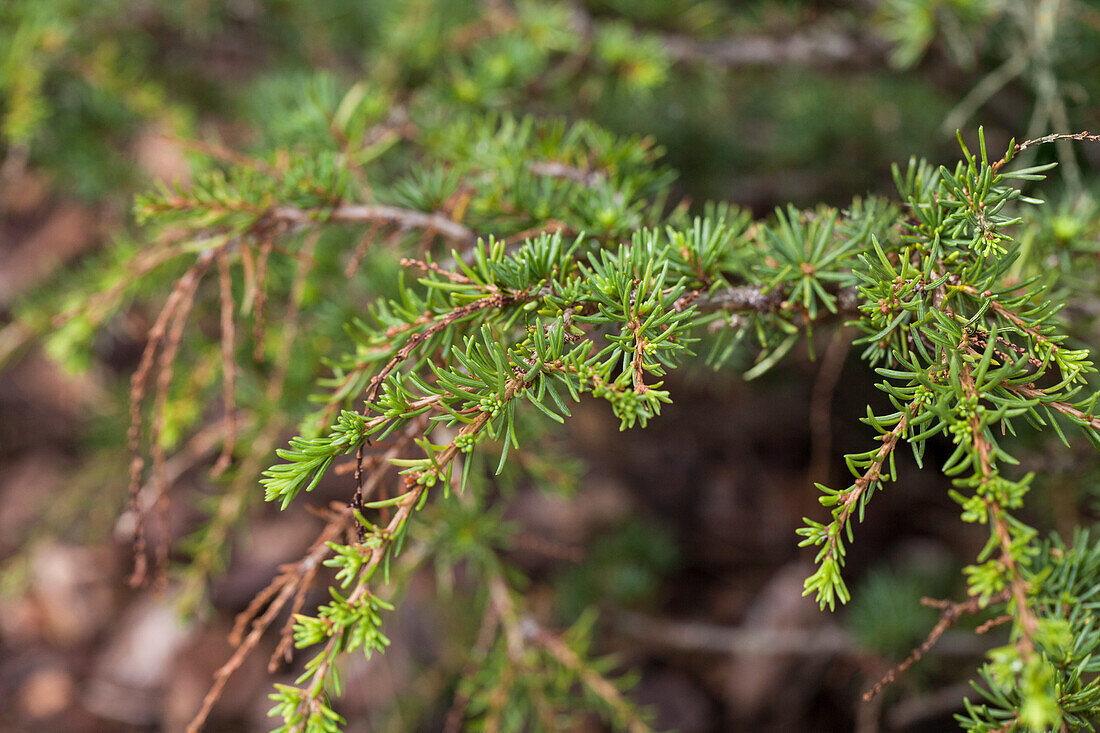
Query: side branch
x,y
1021,147
1065,408
851,497
950,614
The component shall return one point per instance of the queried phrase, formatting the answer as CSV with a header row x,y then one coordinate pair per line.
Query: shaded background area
x,y
682,534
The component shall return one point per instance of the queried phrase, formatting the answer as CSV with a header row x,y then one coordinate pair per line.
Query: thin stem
x,y
1029,624
377,214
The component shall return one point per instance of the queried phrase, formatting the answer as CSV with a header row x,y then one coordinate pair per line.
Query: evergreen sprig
x,y
565,274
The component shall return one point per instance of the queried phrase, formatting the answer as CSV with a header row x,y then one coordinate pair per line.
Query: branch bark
x,y
378,214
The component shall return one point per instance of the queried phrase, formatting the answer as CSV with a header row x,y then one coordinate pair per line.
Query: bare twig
x,y
694,636
1020,147
182,291
949,615
554,169
813,47
284,587
258,297
229,362
376,213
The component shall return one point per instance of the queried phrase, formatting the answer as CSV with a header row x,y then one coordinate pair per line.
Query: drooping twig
x,y
850,497
284,587
138,386
165,371
554,169
229,362
292,584
258,297
496,300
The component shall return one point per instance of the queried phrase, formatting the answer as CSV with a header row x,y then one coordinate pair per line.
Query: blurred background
x,y
682,534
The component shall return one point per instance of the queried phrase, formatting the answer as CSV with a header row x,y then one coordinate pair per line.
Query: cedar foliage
x,y
518,261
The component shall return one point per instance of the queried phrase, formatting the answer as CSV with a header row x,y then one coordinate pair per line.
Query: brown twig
x,y
376,213
361,249
165,371
999,308
284,587
1020,147
815,47
1062,407
229,363
554,169
138,387
950,612
496,300
414,491
993,623
234,499
294,581
434,267
258,297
